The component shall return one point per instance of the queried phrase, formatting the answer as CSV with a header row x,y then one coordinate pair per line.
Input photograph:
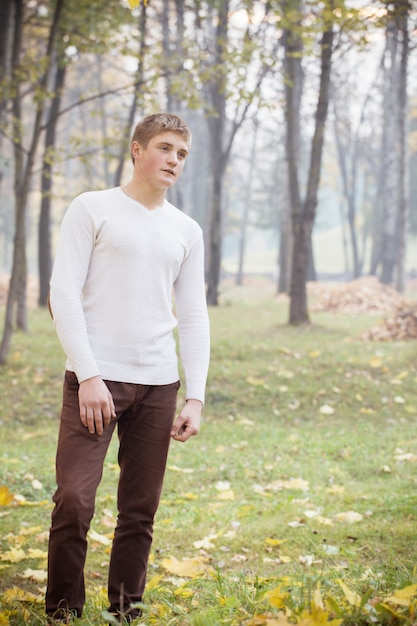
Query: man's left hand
x,y
188,421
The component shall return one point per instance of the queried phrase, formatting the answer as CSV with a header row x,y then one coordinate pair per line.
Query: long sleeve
x,y
75,247
193,321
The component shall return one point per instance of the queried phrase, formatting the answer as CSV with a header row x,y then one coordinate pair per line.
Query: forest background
x,y
297,504
304,117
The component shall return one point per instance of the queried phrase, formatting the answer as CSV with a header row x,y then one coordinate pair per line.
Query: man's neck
x,y
150,198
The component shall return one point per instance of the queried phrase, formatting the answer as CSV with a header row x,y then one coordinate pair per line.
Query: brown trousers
x,y
144,418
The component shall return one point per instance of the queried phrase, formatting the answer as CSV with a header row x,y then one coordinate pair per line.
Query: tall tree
x,y
303,212
394,144
403,8
24,163
137,89
229,96
44,224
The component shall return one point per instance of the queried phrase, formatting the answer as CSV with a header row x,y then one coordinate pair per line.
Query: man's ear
x,y
135,150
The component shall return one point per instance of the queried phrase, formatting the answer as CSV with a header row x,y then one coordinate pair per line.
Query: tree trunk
x,y
348,175
246,211
218,157
293,47
390,156
23,174
44,229
303,214
139,81
402,18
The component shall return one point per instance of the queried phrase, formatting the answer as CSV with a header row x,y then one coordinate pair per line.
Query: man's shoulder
x,y
182,218
97,195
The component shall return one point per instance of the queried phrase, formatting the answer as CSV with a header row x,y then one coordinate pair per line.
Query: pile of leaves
x,y
400,325
365,295
368,296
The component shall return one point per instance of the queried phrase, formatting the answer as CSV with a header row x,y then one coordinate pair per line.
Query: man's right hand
x,y
96,404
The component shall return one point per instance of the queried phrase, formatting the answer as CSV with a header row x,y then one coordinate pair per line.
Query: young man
x,y
122,254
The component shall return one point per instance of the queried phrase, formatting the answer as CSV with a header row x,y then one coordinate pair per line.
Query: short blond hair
x,y
157,123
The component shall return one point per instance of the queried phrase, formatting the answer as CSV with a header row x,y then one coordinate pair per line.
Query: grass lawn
x,y
295,505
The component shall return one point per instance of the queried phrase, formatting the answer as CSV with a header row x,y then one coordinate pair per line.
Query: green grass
x,y
303,428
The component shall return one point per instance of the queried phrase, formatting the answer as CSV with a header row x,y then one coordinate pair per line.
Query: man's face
x,y
160,164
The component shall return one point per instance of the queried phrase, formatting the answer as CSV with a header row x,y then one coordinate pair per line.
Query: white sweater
x,y
117,267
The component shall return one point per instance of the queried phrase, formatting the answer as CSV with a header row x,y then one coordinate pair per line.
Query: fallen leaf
x,y
10,596
265,619
184,470
5,496
375,362
99,538
350,517
223,485
205,543
153,583
274,542
36,553
277,597
403,596
38,575
226,495
14,555
256,382
352,597
326,409
190,568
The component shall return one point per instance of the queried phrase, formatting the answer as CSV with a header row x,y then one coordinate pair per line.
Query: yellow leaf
x,y
36,553
184,470
349,516
190,568
314,354
375,362
335,489
257,382
190,496
226,495
391,611
317,599
14,555
4,620
99,538
38,575
5,496
269,620
15,593
183,592
274,542
403,596
403,374
134,3
277,597
32,530
352,597
296,483
285,559
154,581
